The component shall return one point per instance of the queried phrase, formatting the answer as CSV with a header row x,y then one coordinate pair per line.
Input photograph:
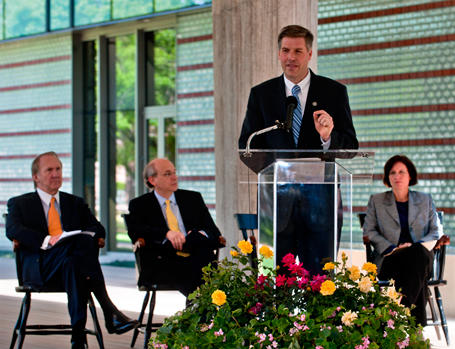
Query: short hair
x,y
296,31
149,171
36,162
407,162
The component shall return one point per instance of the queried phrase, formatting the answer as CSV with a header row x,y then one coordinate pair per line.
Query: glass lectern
x,y
305,200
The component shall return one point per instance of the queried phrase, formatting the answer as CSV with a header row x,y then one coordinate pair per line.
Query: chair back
x,y
439,257
248,222
245,222
153,263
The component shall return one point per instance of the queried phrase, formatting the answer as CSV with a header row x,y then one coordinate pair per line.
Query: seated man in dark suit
x,y
35,223
176,221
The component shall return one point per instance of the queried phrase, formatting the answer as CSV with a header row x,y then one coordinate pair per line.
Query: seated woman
x,y
396,223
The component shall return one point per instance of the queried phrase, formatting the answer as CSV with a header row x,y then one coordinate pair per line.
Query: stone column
x,y
245,54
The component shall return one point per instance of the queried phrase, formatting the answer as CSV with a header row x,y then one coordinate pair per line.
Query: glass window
x,y
130,8
60,14
165,5
89,11
1,19
161,70
24,17
125,70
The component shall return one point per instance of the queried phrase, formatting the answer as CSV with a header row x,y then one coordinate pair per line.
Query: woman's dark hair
x,y
409,165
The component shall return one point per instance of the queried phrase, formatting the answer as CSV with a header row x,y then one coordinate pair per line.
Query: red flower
x,y
261,279
291,280
280,280
288,260
299,270
254,310
317,281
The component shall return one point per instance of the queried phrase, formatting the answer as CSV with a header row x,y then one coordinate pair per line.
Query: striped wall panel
x,y
35,111
397,61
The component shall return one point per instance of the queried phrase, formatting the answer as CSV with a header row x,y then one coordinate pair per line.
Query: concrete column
x,y
245,53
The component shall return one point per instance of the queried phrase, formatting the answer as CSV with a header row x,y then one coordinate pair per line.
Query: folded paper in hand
x,y
65,234
429,245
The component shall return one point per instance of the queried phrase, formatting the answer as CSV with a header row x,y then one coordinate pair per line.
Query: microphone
x,y
291,104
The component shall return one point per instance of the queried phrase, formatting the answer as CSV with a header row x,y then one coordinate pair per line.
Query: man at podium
x,y
314,113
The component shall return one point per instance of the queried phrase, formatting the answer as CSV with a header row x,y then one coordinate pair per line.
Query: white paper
x,y
64,235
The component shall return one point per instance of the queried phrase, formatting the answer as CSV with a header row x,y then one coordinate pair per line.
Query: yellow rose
x,y
218,297
354,273
234,253
348,318
365,284
344,258
245,246
266,251
327,288
370,267
392,293
329,266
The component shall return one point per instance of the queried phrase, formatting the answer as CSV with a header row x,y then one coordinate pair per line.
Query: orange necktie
x,y
53,220
171,219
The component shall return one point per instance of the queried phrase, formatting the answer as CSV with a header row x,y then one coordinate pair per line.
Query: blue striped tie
x,y
297,122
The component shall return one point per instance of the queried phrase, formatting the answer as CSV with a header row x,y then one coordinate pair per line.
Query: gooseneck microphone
x,y
291,104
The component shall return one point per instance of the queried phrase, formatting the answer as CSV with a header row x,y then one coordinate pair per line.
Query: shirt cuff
x,y
325,145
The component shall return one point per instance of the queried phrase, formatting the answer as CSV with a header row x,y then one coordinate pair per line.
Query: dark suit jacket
x,y
26,222
147,220
267,103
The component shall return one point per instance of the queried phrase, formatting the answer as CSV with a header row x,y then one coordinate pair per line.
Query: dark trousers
x,y
410,268
73,265
161,264
305,224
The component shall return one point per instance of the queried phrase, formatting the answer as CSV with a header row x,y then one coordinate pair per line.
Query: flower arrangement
x,y
239,307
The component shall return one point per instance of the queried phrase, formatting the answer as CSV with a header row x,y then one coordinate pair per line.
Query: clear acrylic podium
x,y
307,190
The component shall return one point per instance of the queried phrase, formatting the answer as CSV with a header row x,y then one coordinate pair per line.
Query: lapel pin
x,y
314,104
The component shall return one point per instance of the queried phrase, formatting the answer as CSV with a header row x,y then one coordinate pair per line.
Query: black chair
x,y
21,329
436,280
146,258
248,222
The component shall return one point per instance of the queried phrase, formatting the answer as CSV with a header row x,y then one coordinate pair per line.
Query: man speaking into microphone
x,y
321,120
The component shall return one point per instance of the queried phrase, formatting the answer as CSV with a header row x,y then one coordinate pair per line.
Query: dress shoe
x,y
119,323
78,345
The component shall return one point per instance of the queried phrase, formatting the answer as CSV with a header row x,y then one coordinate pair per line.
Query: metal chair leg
x,y
96,323
22,321
445,328
141,317
17,326
148,327
434,316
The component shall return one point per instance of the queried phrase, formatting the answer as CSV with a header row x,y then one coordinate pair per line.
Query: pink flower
x,y
219,333
390,324
403,344
280,280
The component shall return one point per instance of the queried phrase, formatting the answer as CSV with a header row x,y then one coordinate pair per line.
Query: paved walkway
x,y
121,285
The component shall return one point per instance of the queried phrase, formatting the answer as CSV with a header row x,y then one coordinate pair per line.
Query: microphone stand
x,y
278,125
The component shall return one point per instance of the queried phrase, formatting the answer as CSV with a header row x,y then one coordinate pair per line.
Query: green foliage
x,y
340,310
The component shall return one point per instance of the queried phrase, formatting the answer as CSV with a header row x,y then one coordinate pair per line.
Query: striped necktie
x,y
53,220
297,122
171,219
